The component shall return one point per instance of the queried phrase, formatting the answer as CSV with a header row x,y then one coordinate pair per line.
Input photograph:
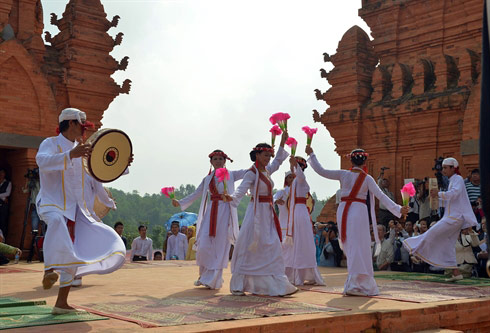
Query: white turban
x,y
72,114
451,161
287,174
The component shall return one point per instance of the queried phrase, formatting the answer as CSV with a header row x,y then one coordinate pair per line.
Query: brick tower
x,y
38,80
412,93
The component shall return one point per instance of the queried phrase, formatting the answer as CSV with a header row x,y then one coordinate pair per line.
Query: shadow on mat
x,y
352,302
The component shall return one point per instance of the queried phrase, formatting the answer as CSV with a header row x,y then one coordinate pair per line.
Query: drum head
x,y
111,151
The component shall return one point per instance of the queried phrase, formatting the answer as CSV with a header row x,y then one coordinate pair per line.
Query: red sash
x,y
268,198
348,202
215,198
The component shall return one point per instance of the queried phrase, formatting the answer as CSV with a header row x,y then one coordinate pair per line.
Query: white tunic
x,y
257,265
300,252
357,246
97,247
436,245
212,253
283,209
93,189
176,246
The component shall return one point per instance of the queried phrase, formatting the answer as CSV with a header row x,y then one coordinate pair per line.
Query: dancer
x,y
74,244
299,247
437,245
257,264
353,217
217,222
280,199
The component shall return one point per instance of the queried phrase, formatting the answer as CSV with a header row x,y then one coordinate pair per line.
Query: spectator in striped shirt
x,y
473,186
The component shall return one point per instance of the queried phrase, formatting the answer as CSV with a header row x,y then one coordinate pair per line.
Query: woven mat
x,y
15,313
153,312
480,282
416,291
157,263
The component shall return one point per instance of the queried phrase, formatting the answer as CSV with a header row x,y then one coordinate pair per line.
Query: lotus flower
x,y
309,133
275,130
223,175
407,191
169,192
281,119
292,143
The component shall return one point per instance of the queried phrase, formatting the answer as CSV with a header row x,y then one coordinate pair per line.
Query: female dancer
x,y
257,264
280,199
353,220
217,223
299,247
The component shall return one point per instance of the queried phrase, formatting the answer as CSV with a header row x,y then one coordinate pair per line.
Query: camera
x,y
384,168
442,181
32,174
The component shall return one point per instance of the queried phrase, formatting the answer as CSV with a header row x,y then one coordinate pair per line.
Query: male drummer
x,y
75,245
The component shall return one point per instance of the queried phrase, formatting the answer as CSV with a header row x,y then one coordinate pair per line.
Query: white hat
x,y
451,161
72,114
287,174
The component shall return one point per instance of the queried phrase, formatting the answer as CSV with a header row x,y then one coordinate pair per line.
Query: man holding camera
x,y
384,215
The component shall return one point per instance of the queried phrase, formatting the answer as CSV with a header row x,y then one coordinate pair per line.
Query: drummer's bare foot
x,y
49,279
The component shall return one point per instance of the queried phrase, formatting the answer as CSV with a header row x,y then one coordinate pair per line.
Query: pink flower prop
x,y
292,143
169,192
223,175
309,133
281,119
407,191
275,130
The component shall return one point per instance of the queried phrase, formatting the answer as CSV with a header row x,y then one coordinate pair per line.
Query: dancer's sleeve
x,y
278,195
300,175
330,174
188,200
104,198
455,191
49,159
239,174
245,185
281,155
393,207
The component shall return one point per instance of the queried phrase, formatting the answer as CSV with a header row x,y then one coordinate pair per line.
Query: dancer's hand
x,y
284,137
226,197
293,162
404,210
175,203
308,150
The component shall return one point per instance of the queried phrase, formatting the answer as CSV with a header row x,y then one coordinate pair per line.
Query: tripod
x,y
36,231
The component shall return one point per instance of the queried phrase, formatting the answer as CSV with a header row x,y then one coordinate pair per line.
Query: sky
x,y
208,74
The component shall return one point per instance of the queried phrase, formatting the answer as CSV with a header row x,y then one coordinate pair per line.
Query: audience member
x,y
142,246
409,228
5,189
423,226
176,244
401,257
384,215
464,252
473,186
331,255
191,240
385,257
119,227
157,255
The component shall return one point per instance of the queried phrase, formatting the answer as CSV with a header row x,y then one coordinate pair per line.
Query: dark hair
x,y
175,222
358,159
216,151
157,252
302,165
118,223
141,227
475,171
64,125
253,153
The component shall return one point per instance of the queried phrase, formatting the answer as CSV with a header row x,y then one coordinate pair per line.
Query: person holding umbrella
x,y
217,222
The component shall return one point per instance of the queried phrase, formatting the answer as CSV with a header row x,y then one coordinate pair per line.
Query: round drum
x,y
111,150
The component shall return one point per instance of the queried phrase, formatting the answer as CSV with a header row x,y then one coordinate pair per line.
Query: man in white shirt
x,y
75,245
176,244
5,189
142,246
